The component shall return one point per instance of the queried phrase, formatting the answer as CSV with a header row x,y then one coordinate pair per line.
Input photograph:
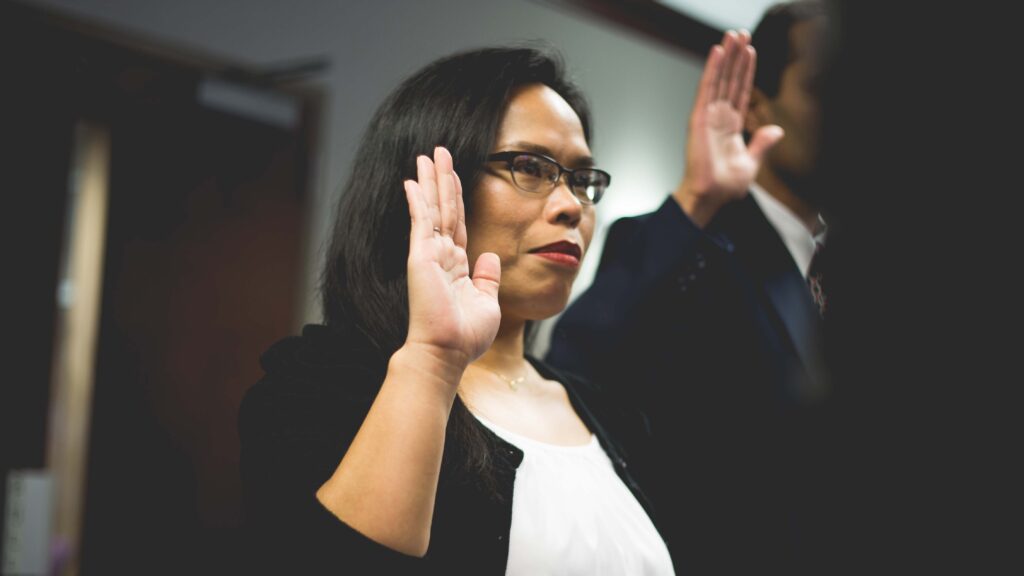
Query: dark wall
x,y
202,271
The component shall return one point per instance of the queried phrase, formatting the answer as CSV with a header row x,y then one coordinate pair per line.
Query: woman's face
x,y
540,237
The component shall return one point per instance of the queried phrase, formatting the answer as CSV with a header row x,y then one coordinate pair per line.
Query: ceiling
x,y
722,14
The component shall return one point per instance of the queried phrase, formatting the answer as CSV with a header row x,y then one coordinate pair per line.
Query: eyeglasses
x,y
533,172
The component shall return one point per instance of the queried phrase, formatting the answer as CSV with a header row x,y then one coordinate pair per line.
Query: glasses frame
x,y
508,156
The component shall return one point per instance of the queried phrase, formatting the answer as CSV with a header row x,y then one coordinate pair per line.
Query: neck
x,y
507,351
504,360
781,191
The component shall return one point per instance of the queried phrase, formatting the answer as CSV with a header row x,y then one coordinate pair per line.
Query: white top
x,y
572,515
795,235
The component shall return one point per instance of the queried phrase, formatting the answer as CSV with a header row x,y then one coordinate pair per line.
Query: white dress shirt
x,y
798,239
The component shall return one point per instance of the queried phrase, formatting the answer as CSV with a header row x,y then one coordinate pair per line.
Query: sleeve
x,y
646,260
292,438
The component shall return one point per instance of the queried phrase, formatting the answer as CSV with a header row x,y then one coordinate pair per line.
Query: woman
x,y
411,434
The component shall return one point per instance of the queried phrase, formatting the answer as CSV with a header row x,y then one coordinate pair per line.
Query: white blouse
x,y
572,515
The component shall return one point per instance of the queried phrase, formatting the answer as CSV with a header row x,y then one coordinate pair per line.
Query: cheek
x,y
804,115
812,122
587,224
792,117
497,231
481,238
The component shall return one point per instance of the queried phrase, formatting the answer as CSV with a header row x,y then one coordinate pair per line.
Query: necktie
x,y
816,279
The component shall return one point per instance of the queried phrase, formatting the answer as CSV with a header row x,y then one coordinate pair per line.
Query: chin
x,y
537,306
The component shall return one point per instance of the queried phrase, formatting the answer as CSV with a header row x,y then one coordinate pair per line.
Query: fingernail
x,y
443,158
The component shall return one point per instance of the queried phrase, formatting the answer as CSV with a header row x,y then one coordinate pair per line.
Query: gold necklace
x,y
513,383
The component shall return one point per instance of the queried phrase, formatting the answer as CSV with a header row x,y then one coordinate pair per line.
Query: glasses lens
x,y
589,185
532,173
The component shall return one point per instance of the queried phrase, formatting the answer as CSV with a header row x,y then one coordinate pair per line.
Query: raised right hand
x,y
720,166
451,314
386,484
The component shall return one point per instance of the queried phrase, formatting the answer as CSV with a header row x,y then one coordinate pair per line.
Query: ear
x,y
759,111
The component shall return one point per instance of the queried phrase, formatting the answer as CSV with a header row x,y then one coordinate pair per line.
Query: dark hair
x,y
457,102
771,39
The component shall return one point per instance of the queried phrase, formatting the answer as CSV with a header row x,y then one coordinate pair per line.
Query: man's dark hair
x,y
772,41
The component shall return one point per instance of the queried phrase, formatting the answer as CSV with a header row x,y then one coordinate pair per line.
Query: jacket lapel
x,y
783,289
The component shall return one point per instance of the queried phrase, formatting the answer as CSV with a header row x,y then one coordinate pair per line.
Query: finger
x,y
426,178
728,64
460,228
763,139
419,214
709,80
446,190
739,71
487,273
748,82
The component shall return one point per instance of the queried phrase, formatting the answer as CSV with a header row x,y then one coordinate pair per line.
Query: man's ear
x,y
758,112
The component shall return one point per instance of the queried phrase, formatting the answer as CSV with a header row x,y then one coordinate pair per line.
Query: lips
x,y
564,252
562,247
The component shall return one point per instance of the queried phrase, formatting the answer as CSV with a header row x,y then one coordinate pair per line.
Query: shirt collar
x,y
798,240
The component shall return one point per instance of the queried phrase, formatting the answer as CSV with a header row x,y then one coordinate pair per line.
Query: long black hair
x,y
457,102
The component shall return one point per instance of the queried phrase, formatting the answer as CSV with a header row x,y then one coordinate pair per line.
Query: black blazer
x,y
714,334
296,424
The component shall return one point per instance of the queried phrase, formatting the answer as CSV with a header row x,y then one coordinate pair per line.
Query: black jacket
x,y
714,334
296,424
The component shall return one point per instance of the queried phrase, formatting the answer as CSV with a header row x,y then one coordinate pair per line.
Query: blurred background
x,y
173,167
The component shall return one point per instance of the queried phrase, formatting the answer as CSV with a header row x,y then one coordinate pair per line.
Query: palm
x,y
720,165
726,160
448,308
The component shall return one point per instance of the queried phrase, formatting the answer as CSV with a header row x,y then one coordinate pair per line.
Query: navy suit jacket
x,y
714,335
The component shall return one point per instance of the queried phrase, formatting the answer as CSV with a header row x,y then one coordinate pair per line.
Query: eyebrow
x,y
578,162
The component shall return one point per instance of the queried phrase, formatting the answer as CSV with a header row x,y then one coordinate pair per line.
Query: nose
x,y
563,207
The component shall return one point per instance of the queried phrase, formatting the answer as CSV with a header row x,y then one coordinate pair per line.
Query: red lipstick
x,y
561,252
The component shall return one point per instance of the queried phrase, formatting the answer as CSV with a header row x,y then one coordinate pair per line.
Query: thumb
x,y
487,273
764,138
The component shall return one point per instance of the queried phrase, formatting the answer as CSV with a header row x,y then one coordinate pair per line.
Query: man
x,y
702,313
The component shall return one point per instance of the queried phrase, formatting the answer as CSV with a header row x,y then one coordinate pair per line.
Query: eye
x,y
530,166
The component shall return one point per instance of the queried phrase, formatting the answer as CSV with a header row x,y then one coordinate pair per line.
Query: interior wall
x,y
640,90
